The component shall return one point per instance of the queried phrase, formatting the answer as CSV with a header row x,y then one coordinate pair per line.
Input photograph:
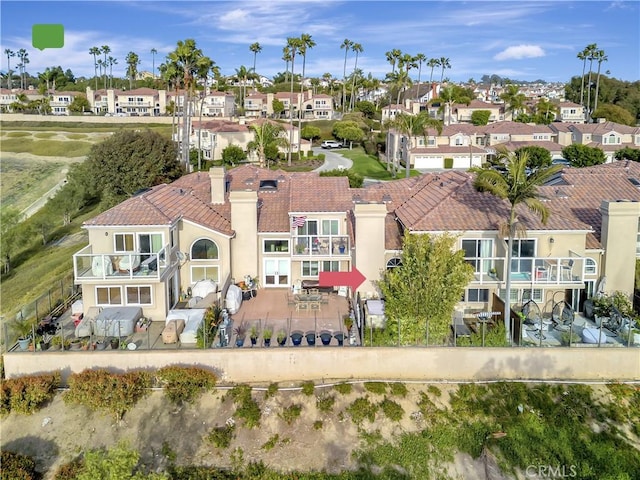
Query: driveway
x,y
332,160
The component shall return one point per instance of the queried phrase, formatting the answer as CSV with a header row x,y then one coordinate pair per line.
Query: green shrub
x,y
290,413
271,391
324,403
433,390
269,444
18,134
318,424
362,408
101,390
246,407
27,394
310,153
398,389
379,388
308,388
392,410
448,162
185,384
221,437
16,466
343,388
321,157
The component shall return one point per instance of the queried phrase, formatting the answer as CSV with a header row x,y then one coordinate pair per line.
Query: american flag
x,y
298,222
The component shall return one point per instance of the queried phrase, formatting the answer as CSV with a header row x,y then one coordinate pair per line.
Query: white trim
x,y
208,229
119,287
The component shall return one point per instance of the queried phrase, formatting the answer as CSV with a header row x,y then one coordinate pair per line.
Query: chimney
x,y
217,176
370,241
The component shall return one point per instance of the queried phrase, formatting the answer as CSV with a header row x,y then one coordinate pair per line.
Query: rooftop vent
x,y
634,181
267,185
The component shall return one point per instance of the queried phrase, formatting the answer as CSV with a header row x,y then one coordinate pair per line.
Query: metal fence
x,y
54,301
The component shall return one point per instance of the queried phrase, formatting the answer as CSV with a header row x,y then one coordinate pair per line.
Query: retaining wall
x,y
298,364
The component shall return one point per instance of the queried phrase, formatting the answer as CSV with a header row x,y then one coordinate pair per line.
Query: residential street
x,y
333,160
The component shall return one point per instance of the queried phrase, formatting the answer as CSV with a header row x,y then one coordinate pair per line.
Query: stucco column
x,y
619,234
216,174
370,242
244,221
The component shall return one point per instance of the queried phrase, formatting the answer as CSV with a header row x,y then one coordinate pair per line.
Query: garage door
x,y
428,162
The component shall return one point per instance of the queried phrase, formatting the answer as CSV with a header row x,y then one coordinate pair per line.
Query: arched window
x,y
393,263
204,249
590,266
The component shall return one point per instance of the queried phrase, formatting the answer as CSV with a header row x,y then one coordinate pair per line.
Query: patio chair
x,y
325,337
311,338
296,338
340,338
567,271
314,306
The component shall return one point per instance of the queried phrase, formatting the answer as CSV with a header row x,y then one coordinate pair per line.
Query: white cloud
x,y
518,52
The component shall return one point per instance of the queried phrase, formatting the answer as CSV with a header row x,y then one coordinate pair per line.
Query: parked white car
x,y
331,144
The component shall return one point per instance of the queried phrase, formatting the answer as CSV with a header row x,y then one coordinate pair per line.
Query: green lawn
x,y
42,134
72,127
369,166
46,148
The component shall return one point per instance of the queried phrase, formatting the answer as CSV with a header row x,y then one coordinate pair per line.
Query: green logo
x,y
47,35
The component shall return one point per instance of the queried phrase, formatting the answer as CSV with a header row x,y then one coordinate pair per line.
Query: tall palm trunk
x,y
352,100
344,78
293,58
584,65
304,61
418,89
595,106
589,92
185,123
204,95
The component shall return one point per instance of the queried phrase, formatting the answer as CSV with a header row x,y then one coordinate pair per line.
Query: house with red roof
x,y
284,227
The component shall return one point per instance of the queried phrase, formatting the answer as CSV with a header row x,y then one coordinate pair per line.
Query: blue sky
x,y
517,39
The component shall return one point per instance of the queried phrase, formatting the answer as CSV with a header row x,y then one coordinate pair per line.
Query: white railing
x,y
529,270
118,266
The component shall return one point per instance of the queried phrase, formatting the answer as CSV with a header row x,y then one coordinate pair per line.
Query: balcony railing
x,y
326,246
529,270
118,266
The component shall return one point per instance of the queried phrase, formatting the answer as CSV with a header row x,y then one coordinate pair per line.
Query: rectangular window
x,y
477,249
124,242
477,295
330,266
522,251
310,227
204,272
531,294
108,296
330,227
309,269
276,246
138,295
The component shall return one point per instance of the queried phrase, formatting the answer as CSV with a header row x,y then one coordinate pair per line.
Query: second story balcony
x,y
565,271
88,266
316,246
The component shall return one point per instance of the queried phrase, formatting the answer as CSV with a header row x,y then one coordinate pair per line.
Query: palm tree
x,y
346,45
133,61
204,67
443,62
154,52
433,62
306,42
413,126
112,61
582,56
255,48
355,47
23,56
95,51
591,56
9,53
105,50
188,59
420,57
517,187
286,56
102,65
449,96
295,45
514,98
600,57
407,62
265,135
171,75
241,77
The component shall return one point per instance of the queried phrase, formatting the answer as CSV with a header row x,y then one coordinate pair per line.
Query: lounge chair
x,y
311,338
296,338
325,337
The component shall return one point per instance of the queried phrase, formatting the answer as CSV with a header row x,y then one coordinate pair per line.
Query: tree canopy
x,y
480,117
421,293
536,156
126,162
348,131
628,153
583,155
233,154
355,179
614,113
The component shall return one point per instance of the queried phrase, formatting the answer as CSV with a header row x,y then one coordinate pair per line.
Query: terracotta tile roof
x,y
188,197
476,104
220,126
551,146
560,127
310,194
452,149
604,127
569,105
140,91
515,128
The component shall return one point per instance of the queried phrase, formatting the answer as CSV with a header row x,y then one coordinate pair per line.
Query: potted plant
x,y
567,340
75,344
253,334
241,332
493,273
266,335
342,247
300,248
631,337
348,323
281,338
23,328
101,344
115,343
